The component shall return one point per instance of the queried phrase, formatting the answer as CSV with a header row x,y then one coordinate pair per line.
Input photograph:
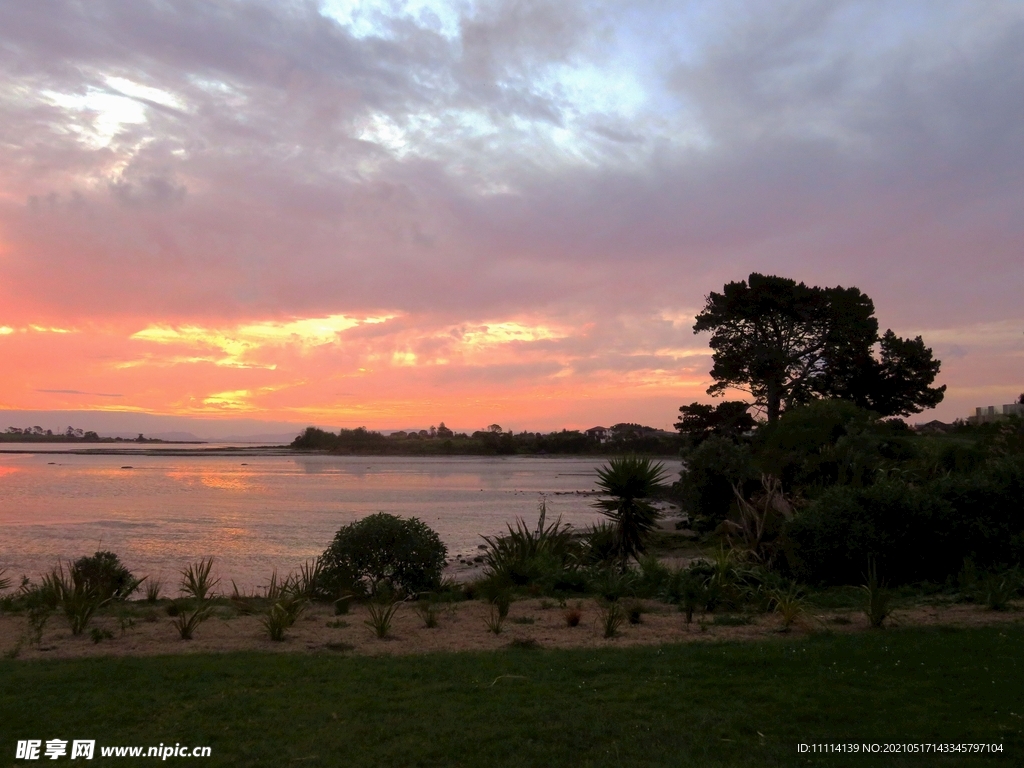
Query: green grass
x,y
680,705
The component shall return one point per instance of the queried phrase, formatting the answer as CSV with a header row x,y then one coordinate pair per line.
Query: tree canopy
x,y
787,344
728,419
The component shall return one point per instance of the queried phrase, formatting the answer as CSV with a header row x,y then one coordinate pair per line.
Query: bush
x,y
831,442
989,512
104,574
384,552
707,481
531,556
908,531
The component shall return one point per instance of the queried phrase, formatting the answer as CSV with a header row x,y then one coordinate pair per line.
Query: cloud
x,y
77,392
182,183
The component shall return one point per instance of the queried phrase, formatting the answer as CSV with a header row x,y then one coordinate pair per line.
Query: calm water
x,y
260,512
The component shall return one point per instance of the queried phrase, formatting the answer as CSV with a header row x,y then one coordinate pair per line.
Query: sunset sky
x,y
395,213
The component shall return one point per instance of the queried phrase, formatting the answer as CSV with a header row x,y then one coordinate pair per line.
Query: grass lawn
x,y
746,704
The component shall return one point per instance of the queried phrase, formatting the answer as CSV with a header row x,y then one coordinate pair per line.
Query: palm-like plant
x,y
628,482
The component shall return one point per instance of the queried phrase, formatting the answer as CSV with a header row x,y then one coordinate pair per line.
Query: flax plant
x,y
283,614
612,617
381,616
877,607
196,580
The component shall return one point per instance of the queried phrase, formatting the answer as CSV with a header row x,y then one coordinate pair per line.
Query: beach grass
x,y
698,704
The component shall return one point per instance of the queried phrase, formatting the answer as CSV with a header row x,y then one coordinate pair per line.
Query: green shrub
x,y
706,483
187,621
908,531
831,442
381,616
685,588
283,614
877,601
495,620
104,574
383,552
196,581
542,555
626,483
429,613
988,519
600,548
77,597
612,617
153,590
915,532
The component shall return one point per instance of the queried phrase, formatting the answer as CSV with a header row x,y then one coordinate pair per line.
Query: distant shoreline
x,y
284,450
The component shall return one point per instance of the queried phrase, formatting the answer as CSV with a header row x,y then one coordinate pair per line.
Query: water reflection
x,y
273,513
220,480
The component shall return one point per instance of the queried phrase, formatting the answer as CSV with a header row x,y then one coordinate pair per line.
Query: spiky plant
x,y
153,588
612,617
789,604
309,582
877,607
495,620
77,597
381,616
186,622
628,482
283,614
428,612
195,580
521,555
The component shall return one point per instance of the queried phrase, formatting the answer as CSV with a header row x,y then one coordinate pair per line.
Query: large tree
x,y
787,343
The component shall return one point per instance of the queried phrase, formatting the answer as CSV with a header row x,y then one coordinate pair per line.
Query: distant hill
x,y
283,438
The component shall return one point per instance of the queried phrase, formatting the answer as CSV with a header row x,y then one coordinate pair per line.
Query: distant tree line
x,y
493,441
70,435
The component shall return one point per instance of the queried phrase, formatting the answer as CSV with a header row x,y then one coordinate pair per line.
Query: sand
x,y
461,627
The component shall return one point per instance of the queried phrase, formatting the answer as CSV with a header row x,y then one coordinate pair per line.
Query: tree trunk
x,y
773,402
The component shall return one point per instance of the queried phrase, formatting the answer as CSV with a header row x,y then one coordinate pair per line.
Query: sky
x,y
394,213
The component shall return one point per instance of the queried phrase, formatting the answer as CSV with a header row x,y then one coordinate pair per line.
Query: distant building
x,y
601,434
989,413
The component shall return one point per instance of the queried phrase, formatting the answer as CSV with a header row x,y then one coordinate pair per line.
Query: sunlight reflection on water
x,y
258,513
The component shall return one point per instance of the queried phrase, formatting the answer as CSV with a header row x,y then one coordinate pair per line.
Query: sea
x,y
260,509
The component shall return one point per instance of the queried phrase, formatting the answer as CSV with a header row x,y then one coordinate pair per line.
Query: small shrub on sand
x,y
495,621
187,621
634,612
153,587
573,616
196,580
283,614
788,604
98,635
342,605
78,597
383,551
104,574
612,617
381,616
429,613
877,606
1000,588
